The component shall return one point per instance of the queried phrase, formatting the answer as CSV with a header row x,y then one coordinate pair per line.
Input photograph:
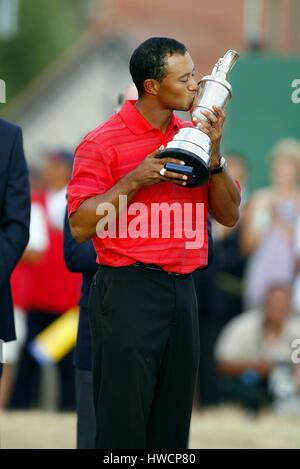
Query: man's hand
x,y
213,128
223,194
148,172
84,221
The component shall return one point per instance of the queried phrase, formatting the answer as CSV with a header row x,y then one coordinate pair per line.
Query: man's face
x,y
237,168
277,305
285,172
56,174
177,89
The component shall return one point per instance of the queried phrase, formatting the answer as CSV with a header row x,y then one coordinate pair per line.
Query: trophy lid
x,y
222,68
226,63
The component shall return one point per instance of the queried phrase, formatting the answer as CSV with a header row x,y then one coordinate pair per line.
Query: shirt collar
x,y
134,120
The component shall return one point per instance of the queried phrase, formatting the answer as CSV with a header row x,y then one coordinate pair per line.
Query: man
x,y
82,258
14,219
254,346
142,304
51,288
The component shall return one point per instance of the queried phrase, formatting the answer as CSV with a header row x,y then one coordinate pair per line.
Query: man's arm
x,y
84,220
15,217
223,199
223,195
78,257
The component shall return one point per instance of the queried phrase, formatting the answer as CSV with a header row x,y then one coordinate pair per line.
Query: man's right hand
x,y
84,221
148,172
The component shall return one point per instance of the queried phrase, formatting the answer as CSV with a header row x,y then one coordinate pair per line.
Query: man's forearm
x,y
84,221
224,199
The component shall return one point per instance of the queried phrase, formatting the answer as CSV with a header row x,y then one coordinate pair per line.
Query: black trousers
x,y
145,357
86,420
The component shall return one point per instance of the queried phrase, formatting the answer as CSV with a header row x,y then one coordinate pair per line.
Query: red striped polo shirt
x,y
163,224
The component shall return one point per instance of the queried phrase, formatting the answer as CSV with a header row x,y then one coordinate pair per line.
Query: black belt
x,y
153,267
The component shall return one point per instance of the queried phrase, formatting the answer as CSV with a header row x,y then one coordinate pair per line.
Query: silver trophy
x,y
190,144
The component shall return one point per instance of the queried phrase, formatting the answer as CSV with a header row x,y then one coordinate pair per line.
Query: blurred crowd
x,y
42,288
249,308
248,296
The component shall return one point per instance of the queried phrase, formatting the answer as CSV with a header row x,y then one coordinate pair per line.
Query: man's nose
x,y
192,86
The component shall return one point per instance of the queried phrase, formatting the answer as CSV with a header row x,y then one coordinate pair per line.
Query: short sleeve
x,y
238,340
238,185
228,344
92,173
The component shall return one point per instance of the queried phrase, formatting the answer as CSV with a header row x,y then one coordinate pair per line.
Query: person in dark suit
x,y
14,219
82,258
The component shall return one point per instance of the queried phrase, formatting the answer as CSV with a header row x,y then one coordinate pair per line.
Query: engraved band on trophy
x,y
190,144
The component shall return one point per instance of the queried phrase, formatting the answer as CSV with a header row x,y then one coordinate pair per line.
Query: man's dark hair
x,y
149,60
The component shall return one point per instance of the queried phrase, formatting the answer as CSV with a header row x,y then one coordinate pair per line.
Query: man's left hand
x,y
213,128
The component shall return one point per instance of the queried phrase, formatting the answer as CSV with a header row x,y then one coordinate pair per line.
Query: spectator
x,y
14,221
253,345
219,290
268,229
19,288
52,289
82,258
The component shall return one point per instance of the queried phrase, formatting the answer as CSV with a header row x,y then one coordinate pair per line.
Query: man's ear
x,y
151,86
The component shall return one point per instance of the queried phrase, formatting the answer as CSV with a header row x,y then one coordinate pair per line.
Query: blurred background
x,y
64,64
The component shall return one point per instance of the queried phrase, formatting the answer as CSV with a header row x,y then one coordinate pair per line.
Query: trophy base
x,y
201,171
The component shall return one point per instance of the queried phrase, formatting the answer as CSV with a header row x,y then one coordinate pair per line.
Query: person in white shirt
x,y
255,343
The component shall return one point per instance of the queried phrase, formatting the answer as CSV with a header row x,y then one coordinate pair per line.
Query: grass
x,y
217,428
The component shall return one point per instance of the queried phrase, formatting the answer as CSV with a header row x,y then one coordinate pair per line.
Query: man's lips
x,y
192,98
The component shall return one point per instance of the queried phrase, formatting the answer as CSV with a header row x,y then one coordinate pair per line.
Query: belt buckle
x,y
154,267
174,273
160,269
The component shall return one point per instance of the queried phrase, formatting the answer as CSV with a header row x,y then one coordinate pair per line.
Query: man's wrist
x,y
215,161
218,169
